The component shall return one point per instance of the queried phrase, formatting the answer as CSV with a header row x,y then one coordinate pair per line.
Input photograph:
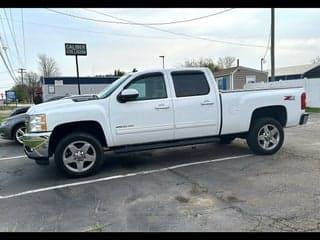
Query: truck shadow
x,y
160,158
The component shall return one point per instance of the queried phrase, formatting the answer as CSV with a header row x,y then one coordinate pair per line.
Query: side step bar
x,y
158,145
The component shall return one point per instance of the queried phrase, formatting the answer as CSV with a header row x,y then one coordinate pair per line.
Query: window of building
x,y
51,88
190,83
250,78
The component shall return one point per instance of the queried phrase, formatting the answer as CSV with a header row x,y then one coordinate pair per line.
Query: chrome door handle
x,y
162,106
207,102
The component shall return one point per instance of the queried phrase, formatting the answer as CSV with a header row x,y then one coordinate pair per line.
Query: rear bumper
x,y
36,145
304,118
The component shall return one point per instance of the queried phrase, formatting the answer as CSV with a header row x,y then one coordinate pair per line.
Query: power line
x,y
96,32
186,35
159,29
13,37
24,42
6,65
134,23
5,37
8,59
172,22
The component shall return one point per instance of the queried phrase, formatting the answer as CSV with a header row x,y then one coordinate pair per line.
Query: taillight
x,y
303,101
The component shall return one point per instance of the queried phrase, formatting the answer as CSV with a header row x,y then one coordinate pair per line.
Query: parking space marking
x,y
8,158
120,176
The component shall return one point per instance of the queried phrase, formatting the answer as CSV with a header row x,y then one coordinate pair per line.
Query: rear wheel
x,y
266,136
78,155
18,133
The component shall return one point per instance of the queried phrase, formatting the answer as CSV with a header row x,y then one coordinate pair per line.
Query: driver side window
x,y
149,86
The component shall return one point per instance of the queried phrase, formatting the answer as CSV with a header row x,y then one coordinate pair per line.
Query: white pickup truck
x,y
158,109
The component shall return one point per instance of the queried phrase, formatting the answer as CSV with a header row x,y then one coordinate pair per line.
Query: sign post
x,y
75,49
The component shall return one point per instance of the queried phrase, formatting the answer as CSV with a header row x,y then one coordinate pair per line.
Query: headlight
x,y
36,123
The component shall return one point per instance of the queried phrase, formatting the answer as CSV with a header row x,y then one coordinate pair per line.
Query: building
x,y
237,77
297,72
63,86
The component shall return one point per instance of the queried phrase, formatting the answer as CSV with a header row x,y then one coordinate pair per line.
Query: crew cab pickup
x,y
158,109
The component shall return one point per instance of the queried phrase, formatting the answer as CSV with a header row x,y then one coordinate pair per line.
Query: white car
x,y
158,109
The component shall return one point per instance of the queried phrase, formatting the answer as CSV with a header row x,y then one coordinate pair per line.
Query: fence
x,y
312,87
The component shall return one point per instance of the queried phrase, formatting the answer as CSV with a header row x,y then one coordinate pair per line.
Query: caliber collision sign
x,y
76,49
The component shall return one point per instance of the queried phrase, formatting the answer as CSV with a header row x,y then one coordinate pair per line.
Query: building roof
x,y
293,70
228,71
224,72
82,80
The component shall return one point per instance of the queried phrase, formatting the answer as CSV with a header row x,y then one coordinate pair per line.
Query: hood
x,y
62,103
47,106
14,117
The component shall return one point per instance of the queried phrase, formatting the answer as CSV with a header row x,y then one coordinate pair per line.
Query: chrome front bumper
x,y
36,145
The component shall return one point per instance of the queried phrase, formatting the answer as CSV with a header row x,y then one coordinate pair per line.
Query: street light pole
x,y
272,45
162,61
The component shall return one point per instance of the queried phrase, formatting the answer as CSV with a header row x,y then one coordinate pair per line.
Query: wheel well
x,y
277,112
62,130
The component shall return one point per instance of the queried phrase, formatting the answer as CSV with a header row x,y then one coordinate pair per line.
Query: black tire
x,y
14,133
252,137
226,139
74,137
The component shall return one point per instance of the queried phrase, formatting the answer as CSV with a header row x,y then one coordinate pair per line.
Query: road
x,y
207,187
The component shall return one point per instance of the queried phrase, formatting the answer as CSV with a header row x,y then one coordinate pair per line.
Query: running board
x,y
166,144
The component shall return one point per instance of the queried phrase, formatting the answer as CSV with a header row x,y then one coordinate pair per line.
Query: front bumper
x,y
304,118
36,145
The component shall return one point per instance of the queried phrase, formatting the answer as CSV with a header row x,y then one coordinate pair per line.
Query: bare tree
x,y
26,92
226,62
202,62
32,82
48,66
316,60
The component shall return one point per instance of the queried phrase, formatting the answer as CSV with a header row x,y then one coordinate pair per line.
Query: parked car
x,y
14,126
158,109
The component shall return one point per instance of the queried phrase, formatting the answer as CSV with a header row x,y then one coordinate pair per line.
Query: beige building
x,y
236,77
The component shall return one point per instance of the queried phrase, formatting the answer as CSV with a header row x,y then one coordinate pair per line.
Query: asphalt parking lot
x,y
208,187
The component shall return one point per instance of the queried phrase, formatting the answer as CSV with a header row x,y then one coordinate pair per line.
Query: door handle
x,y
162,106
207,102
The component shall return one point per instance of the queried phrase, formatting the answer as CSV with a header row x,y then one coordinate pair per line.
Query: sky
x,y
113,46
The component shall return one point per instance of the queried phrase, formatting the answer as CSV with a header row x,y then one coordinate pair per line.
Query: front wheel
x,y
18,133
265,136
78,155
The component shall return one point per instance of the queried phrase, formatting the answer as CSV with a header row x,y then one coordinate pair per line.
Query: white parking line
x,y
8,158
120,176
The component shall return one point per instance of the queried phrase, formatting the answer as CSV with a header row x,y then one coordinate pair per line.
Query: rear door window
x,y
190,83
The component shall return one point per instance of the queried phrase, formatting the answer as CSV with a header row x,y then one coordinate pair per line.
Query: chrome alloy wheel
x,y
79,156
268,137
19,134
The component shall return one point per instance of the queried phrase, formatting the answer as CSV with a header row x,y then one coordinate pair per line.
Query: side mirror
x,y
128,95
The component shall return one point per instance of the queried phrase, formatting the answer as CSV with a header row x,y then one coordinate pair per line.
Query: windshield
x,y
109,89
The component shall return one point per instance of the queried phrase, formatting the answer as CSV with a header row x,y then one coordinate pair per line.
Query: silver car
x,y
13,127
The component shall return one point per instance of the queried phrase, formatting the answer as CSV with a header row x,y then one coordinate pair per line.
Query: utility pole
x,y
162,61
272,45
262,59
21,71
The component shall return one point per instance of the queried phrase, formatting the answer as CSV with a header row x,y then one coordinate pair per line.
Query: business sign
x,y
10,95
76,49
